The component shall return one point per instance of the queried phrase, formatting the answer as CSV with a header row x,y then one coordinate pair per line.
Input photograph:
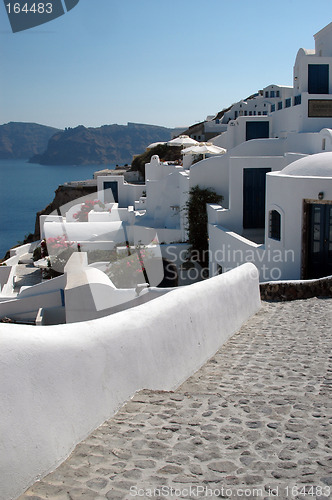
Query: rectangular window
x,y
266,94
245,113
236,114
250,113
297,100
280,105
265,113
274,225
272,93
288,102
318,78
217,121
273,108
277,93
257,130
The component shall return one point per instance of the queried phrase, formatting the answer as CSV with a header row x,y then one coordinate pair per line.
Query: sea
x,y
25,189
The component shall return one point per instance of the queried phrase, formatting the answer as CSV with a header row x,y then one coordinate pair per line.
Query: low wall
x,y
23,249
59,383
295,290
7,287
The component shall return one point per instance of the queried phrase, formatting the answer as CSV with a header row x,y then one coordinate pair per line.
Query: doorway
x,y
319,240
254,182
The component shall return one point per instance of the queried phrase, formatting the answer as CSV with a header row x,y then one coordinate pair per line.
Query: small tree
x,y
197,220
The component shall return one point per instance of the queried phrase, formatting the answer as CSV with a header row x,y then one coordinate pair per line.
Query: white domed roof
x,y
317,165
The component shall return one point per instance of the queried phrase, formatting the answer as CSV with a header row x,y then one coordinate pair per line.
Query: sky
x,y
161,62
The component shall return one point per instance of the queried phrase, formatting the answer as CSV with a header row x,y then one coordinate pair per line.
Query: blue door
x,y
319,241
254,182
111,192
318,78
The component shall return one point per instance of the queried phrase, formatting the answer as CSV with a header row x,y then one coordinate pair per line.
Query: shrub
x,y
197,220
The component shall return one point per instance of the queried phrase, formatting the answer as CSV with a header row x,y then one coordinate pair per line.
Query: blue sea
x,y
25,189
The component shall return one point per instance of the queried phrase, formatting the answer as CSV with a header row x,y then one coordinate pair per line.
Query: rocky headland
x,y
23,140
109,144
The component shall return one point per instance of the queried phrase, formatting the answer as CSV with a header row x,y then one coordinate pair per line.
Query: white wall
x,y
86,231
57,384
295,189
212,173
8,271
276,259
323,41
127,193
233,217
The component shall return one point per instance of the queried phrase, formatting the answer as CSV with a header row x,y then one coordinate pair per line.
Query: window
x,y
265,113
297,100
272,93
273,108
323,144
250,113
266,94
318,78
259,113
288,102
277,93
257,130
236,113
245,113
280,105
274,225
217,121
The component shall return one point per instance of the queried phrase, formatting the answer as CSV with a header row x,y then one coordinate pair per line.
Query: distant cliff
x,y
22,140
102,145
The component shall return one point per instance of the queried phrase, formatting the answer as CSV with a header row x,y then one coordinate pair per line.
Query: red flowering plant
x,y
86,207
59,251
128,272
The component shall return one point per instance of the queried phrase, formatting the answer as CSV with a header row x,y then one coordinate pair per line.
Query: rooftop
x,y
317,165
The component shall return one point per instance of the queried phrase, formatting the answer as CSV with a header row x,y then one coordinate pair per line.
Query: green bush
x,y
197,221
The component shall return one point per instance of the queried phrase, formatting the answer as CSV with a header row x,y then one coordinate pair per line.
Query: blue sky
x,y
163,62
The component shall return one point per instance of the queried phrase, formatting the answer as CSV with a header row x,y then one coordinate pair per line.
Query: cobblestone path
x,y
254,422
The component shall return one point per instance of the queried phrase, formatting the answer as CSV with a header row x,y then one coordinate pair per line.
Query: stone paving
x,y
254,422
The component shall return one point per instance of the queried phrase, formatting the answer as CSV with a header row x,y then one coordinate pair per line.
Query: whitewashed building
x,y
263,135
256,173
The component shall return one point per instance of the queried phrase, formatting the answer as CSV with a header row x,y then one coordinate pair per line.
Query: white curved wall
x,y
58,383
